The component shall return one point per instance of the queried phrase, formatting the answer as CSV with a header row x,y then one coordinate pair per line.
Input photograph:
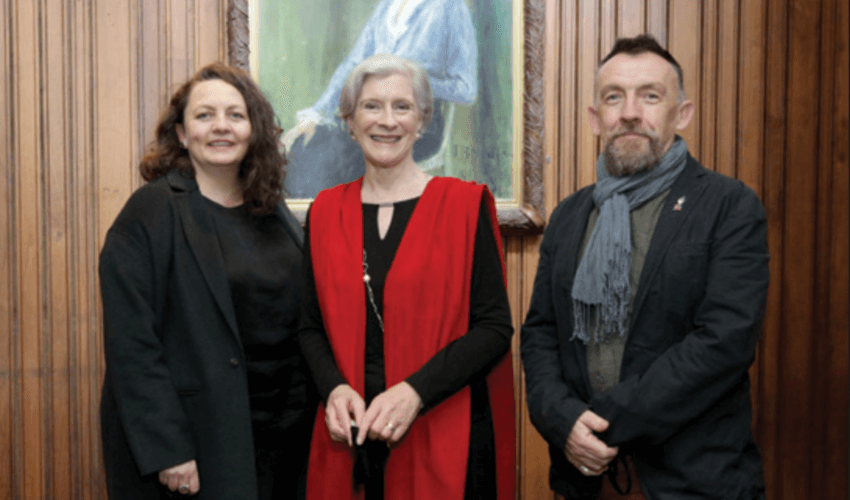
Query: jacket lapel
x,y
200,233
688,188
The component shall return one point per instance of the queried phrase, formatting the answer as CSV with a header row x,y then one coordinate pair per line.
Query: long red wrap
x,y
426,306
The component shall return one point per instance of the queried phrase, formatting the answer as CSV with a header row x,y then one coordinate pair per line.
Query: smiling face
x,y
386,121
216,129
637,111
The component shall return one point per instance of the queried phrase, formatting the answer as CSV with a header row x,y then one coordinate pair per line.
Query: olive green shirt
x,y
605,358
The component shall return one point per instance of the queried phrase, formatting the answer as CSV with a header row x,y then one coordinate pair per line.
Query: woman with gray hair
x,y
406,323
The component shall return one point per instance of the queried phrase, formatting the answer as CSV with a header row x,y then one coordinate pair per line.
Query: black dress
x,y
466,361
262,264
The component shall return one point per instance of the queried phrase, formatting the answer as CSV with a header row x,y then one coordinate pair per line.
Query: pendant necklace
x,y
368,279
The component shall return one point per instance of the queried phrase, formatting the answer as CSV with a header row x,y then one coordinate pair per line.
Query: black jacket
x,y
682,405
176,386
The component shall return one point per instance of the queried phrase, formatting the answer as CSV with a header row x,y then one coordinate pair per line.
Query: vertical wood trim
x,y
656,20
8,306
838,409
564,37
588,57
831,323
90,343
631,18
707,99
820,384
800,239
29,250
751,104
685,19
774,200
53,341
74,455
608,22
551,71
727,85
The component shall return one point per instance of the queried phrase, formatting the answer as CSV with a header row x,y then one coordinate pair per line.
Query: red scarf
x,y
426,306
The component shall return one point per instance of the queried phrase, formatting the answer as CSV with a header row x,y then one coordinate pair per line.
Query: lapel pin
x,y
678,206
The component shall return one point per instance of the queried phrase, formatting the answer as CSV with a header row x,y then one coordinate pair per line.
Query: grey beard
x,y
621,163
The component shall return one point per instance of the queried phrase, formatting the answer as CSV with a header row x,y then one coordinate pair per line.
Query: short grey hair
x,y
382,65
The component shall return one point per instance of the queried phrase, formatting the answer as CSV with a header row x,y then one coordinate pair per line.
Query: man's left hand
x,y
586,451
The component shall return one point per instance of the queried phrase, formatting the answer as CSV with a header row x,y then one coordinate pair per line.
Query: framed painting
x,y
484,59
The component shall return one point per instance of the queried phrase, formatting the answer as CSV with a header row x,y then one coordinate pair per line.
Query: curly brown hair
x,y
262,171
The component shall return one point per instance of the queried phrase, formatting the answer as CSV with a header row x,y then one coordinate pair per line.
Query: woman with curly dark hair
x,y
206,392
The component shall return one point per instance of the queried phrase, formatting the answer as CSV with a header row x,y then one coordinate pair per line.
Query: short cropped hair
x,y
262,170
646,43
382,65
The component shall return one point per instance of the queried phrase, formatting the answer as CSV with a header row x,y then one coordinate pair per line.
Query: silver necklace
x,y
367,279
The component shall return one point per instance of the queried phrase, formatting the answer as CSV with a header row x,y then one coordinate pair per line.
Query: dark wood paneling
x,y
829,381
83,86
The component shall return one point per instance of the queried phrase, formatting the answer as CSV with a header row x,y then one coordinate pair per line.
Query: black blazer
x,y
682,404
176,386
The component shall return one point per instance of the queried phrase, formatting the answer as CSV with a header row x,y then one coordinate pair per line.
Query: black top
x,y
262,264
464,361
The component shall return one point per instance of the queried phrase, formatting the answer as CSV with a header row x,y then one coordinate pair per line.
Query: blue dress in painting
x,y
436,34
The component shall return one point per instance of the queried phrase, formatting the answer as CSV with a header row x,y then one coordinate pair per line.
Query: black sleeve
x,y
472,356
311,331
132,283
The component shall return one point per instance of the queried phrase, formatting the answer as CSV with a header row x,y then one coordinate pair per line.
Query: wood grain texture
x,y
831,319
83,86
10,411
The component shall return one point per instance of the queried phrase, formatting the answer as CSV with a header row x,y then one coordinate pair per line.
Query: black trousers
x,y
281,459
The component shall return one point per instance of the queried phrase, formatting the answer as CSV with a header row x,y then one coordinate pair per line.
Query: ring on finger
x,y
390,426
183,489
585,469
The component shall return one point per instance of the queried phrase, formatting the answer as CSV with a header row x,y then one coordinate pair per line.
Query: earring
x,y
418,134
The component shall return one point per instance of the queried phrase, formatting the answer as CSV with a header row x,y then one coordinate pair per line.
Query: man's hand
x,y
182,478
344,406
584,450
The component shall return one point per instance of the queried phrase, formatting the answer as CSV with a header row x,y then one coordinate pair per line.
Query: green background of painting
x,y
301,43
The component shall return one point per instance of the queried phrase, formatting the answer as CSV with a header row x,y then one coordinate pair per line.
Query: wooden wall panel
x,y
8,467
829,381
9,338
83,86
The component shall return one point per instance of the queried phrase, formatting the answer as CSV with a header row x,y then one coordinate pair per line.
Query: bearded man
x,y
647,306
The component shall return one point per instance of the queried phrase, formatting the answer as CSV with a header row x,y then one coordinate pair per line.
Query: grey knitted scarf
x,y
601,291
